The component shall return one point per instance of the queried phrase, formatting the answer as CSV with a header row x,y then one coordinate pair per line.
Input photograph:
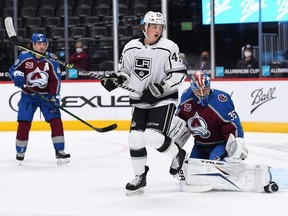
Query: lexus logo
x,y
80,101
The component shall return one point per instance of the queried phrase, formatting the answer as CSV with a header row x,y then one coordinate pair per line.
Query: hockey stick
x,y
101,130
14,40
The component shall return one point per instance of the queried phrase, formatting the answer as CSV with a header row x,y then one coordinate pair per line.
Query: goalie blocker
x,y
204,175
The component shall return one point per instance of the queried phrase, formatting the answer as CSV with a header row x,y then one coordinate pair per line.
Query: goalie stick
x,y
101,130
14,40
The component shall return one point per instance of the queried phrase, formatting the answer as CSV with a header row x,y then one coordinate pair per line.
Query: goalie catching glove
x,y
112,81
151,93
236,149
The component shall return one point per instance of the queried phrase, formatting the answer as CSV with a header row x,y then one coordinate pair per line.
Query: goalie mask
x,y
152,18
200,84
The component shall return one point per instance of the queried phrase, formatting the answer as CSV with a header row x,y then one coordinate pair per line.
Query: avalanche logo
x,y
142,68
37,78
198,126
222,98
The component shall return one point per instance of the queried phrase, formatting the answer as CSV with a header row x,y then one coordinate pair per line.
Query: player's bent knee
x,y
157,140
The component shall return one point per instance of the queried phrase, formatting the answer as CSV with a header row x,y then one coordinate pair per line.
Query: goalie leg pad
x,y
179,131
227,176
190,188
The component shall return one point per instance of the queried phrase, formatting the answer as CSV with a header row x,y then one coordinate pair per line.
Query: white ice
x,y
93,183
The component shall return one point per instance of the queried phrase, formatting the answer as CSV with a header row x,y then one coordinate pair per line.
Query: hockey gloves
x,y
111,81
236,149
54,102
151,93
18,78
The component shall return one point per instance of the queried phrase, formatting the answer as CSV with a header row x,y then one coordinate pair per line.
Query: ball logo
x,y
260,97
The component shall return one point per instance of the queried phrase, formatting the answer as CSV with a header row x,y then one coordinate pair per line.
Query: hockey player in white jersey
x,y
150,65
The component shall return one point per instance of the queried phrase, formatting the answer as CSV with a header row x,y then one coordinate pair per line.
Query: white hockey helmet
x,y
152,17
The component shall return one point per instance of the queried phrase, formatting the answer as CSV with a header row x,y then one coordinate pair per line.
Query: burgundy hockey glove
x,y
151,93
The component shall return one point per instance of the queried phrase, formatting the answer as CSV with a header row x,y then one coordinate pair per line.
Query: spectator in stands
x,y
79,58
247,61
204,61
182,56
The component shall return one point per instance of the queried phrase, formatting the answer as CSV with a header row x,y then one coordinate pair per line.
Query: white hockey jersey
x,y
157,63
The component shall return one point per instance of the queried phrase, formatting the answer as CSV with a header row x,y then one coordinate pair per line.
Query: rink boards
x,y
261,104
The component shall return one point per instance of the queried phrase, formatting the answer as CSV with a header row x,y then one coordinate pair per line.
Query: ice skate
x,y
177,162
62,157
136,186
20,157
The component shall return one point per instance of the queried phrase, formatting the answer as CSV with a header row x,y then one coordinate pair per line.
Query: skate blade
x,y
61,161
137,192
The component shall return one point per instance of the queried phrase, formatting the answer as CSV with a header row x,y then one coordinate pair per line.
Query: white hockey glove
x,y
179,131
236,150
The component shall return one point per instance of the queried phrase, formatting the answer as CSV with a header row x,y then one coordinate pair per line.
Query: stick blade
x,y
8,22
106,129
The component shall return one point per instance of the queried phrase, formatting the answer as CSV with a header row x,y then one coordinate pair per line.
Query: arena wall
x,y
261,103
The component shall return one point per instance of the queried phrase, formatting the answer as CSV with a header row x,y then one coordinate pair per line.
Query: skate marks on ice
x,y
99,169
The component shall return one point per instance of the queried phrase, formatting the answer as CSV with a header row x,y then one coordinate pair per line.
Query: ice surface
x,y
93,183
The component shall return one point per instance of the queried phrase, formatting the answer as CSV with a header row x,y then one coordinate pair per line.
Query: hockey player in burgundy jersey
x,y
209,115
150,65
43,76
219,147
